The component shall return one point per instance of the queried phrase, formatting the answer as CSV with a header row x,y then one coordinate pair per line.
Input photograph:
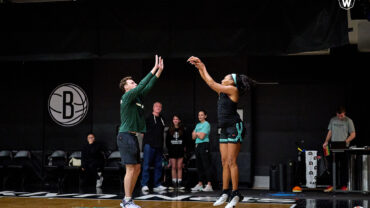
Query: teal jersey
x,y
204,127
132,107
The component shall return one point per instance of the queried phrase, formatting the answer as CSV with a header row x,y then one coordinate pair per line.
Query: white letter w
x,y
346,3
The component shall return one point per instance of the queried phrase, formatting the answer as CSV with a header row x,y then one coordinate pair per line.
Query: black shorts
x,y
176,154
129,149
232,134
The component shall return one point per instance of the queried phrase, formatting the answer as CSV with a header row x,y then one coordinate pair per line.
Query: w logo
x,y
346,4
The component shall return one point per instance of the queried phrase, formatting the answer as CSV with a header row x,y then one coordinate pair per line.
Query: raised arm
x,y
160,67
209,80
140,88
152,81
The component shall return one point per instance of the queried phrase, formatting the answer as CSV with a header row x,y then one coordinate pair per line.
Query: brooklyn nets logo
x,y
346,4
68,104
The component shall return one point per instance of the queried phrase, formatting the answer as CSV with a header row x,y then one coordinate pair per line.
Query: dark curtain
x,y
106,29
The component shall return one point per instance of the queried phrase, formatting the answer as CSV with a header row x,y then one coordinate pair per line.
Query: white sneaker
x,y
234,201
99,182
129,204
159,188
198,187
222,199
173,186
208,188
145,189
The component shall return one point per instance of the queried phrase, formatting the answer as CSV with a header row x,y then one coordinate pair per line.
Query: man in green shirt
x,y
133,123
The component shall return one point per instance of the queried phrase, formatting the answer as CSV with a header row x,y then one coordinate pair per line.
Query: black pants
x,y
341,160
341,169
90,175
204,165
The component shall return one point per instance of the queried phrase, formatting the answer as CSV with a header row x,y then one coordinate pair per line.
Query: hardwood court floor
x,y
19,202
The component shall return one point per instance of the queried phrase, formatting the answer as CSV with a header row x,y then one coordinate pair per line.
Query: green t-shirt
x,y
204,127
340,129
132,108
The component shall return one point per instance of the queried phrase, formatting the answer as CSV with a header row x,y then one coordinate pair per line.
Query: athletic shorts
x,y
232,134
129,149
176,154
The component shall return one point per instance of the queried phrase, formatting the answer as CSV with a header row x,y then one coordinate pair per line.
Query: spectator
x,y
204,166
176,140
92,161
153,149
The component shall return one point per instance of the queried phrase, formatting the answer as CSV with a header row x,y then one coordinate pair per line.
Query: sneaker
x,y
222,199
128,204
180,186
344,188
208,188
181,190
329,189
198,187
99,182
236,197
297,189
173,186
159,188
145,189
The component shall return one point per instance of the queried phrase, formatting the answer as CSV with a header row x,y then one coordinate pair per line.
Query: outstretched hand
x,y
158,66
196,62
156,63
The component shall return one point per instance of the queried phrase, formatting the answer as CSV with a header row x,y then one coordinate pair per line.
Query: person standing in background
x,y
153,149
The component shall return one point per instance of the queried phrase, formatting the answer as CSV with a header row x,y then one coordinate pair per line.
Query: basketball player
x,y
232,128
133,123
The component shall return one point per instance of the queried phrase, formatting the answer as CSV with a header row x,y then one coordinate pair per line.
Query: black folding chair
x,y
73,169
56,162
5,160
114,168
21,166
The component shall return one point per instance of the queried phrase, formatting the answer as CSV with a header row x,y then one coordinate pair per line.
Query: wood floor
x,y
19,202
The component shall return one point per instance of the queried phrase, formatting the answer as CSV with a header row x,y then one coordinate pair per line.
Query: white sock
x,y
127,198
174,180
179,180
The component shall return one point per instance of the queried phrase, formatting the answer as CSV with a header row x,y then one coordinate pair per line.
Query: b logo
x,y
68,104
346,4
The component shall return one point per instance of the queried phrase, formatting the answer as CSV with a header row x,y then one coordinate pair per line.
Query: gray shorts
x,y
129,149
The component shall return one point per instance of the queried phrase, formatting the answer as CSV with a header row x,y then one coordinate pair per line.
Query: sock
x,y
174,180
126,199
226,191
235,193
179,180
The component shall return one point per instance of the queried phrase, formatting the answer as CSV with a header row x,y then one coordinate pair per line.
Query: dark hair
x,y
244,83
204,111
90,133
123,82
341,109
172,128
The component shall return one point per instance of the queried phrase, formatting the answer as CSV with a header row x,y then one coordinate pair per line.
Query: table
x,y
349,153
